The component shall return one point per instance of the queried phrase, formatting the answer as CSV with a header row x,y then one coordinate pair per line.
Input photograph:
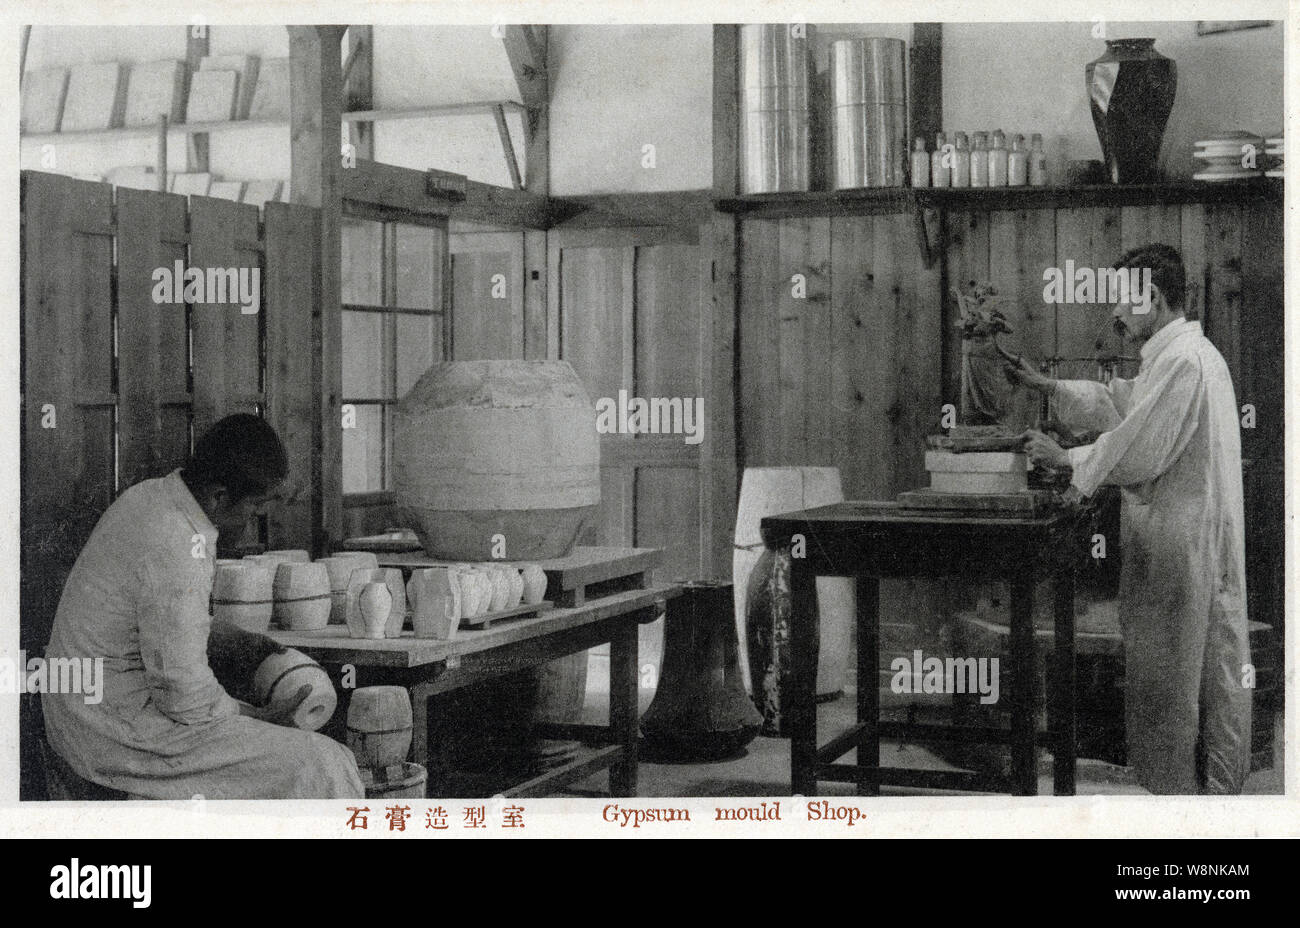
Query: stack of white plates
x,y
1274,149
1222,155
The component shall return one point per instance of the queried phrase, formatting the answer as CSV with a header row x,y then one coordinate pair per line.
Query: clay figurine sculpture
x,y
988,395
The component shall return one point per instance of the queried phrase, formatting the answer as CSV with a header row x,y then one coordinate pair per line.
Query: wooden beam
x,y
726,109
670,208
393,187
315,106
720,237
537,125
926,85
358,82
530,71
508,148
196,49
537,180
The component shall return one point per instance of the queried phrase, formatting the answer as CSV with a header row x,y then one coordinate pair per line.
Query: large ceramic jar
x,y
497,448
1131,91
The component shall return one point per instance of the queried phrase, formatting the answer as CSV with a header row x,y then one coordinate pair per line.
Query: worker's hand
x,y
1073,498
281,713
1042,450
1025,373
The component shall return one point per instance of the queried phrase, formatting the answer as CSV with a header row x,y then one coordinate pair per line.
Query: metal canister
x,y
775,73
868,113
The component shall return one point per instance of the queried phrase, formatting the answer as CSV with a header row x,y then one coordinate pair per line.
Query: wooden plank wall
x,y
291,330
227,359
848,374
854,374
130,381
67,471
488,290
626,310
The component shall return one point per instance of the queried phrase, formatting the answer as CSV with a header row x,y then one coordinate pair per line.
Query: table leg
x,y
868,595
623,707
1061,706
420,729
803,679
1024,778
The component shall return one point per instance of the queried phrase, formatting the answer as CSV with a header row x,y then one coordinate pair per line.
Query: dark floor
x,y
764,768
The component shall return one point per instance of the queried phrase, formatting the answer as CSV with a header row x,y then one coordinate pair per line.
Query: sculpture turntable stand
x,y
871,540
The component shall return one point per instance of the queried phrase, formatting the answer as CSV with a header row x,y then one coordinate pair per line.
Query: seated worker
x,y
138,598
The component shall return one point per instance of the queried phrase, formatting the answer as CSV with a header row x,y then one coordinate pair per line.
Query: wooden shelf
x,y
982,199
201,128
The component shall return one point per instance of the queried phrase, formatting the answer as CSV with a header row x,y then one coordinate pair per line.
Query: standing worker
x,y
1170,440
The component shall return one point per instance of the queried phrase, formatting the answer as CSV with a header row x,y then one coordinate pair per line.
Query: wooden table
x,y
870,540
427,667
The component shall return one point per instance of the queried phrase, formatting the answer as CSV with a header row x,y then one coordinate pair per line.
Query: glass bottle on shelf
x,y
940,161
1017,163
1037,162
979,160
998,160
920,164
960,161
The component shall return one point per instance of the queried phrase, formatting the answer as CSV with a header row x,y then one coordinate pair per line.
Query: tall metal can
x,y
775,74
868,113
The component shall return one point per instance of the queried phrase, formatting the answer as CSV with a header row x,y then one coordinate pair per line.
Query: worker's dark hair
x,y
240,453
1167,271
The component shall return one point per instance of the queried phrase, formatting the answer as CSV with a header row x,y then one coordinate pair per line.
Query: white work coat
x,y
165,728
1171,441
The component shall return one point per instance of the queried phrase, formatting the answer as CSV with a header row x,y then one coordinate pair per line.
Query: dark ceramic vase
x,y
1131,91
768,605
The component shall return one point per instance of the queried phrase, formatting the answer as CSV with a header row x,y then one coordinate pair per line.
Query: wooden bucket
x,y
410,785
768,491
487,448
379,726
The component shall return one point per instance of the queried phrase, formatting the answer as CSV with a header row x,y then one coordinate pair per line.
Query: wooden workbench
x,y
870,540
427,667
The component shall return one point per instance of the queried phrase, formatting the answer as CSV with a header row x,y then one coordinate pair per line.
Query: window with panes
x,y
394,327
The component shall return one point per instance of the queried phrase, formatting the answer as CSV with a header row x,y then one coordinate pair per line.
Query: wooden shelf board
x,y
902,199
201,128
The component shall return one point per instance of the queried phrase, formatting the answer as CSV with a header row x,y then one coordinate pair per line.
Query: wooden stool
x,y
64,783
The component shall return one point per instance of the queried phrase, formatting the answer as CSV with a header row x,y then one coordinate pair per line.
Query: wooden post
x,y
926,85
537,179
721,464
315,121
359,88
196,49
